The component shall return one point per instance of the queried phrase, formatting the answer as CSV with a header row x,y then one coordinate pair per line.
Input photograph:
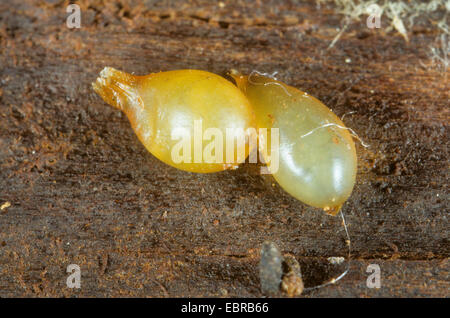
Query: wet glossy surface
x,y
159,104
317,158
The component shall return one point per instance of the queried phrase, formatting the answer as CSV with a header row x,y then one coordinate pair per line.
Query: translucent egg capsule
x,y
182,117
317,157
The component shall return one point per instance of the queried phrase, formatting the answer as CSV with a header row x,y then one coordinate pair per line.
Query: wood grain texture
x,y
83,190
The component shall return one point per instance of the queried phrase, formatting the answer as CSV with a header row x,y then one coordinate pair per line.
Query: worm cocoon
x,y
317,157
182,117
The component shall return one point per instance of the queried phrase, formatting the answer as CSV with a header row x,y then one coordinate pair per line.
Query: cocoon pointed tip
x,y
114,87
240,79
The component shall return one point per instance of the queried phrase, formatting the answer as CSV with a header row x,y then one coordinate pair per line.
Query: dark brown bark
x,y
83,190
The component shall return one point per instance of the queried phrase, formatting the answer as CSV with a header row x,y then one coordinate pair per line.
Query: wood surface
x,y
83,190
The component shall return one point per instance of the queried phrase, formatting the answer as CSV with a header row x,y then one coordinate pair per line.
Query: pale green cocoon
x,y
317,157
